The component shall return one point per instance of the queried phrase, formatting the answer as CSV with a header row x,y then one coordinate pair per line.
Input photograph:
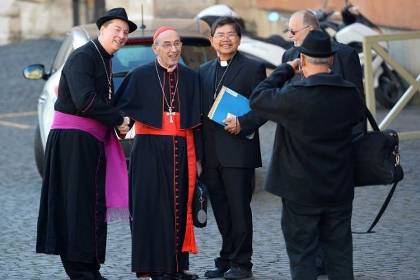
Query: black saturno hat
x,y
116,13
317,44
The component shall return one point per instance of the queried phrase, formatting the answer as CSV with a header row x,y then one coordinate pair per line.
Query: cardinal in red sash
x,y
163,101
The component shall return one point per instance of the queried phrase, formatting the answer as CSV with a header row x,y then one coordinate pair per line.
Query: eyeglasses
x,y
229,36
167,45
294,32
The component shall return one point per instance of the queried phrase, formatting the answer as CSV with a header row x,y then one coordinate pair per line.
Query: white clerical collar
x,y
167,68
225,63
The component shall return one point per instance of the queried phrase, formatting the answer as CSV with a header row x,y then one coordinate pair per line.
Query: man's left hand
x,y
295,65
232,125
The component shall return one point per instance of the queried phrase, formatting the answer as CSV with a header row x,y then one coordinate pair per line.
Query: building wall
x,y
9,21
180,8
396,14
44,18
134,7
26,19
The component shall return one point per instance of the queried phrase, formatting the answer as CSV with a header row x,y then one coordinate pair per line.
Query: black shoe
x,y
320,269
238,273
100,277
163,276
216,273
185,276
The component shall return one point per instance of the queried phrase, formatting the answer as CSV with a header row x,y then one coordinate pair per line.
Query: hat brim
x,y
131,25
318,54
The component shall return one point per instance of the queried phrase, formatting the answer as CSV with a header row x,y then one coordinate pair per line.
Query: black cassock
x,y
158,165
72,210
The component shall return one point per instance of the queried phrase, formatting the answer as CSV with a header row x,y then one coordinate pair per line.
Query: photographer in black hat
x,y
312,165
78,160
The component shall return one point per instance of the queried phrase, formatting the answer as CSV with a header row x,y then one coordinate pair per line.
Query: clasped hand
x,y
125,126
232,125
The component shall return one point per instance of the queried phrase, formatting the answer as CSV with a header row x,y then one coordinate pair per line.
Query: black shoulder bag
x,y
377,161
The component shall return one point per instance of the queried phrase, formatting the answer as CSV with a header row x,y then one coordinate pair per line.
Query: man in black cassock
x,y
162,98
73,205
231,152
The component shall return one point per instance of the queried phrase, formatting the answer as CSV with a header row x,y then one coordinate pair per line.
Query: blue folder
x,y
228,103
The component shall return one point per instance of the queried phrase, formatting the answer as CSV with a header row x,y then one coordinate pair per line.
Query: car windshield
x,y
194,53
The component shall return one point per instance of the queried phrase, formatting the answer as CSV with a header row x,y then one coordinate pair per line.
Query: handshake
x,y
124,127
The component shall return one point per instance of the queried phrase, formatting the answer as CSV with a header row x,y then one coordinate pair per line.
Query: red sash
x,y
173,129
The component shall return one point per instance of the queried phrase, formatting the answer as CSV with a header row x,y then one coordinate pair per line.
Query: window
x,y
194,53
65,49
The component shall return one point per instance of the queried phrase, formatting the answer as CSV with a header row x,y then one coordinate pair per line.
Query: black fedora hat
x,y
116,13
317,44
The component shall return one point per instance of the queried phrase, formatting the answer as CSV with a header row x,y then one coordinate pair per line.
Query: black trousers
x,y
230,191
81,270
305,228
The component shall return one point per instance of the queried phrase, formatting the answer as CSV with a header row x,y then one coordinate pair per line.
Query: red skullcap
x,y
161,30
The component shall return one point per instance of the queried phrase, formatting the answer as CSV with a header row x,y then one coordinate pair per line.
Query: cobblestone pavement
x,y
393,252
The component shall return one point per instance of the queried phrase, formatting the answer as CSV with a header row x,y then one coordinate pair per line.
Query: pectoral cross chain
x,y
170,103
109,92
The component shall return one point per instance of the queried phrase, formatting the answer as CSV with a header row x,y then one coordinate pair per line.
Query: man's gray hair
x,y
309,19
318,60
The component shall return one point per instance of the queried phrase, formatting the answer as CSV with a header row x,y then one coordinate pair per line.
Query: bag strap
x,y
383,208
371,119
369,115
381,211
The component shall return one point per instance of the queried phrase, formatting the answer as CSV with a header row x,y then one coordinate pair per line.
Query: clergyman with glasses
x,y
231,152
163,101
346,61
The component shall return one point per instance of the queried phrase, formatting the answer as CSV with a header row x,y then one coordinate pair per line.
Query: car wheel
x,y
39,151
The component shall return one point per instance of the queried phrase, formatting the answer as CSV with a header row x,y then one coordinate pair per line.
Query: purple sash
x,y
116,183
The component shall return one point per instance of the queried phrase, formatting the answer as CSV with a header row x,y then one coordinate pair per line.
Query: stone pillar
x,y
40,18
9,22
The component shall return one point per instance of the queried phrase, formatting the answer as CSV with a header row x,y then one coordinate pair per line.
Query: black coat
x,y
312,155
220,146
346,64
